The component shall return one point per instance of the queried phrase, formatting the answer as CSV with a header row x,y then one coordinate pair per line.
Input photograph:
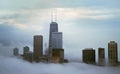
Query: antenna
x,y
54,15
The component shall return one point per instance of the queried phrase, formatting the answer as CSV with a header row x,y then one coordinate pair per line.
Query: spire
x,y
56,15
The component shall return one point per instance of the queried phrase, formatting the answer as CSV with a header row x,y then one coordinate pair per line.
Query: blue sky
x,y
84,23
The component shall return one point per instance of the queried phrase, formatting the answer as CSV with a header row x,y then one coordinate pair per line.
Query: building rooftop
x,y
88,49
112,42
53,23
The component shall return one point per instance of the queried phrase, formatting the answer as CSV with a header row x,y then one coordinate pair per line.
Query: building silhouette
x,y
88,55
53,28
15,51
101,56
55,41
25,49
112,53
54,52
38,47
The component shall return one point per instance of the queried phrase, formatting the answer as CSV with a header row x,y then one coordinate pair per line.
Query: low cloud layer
x,y
12,65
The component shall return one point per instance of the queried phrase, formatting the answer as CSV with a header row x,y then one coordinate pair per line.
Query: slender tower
x,y
53,28
101,56
55,41
38,47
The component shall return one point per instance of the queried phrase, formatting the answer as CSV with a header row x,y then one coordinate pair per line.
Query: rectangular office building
x,y
112,53
38,47
89,55
101,56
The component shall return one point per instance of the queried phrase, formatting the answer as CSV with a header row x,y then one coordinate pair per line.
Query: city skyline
x,y
85,24
55,51
89,23
67,43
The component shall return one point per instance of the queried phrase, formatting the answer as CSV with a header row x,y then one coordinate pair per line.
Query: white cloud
x,y
12,65
28,18
87,13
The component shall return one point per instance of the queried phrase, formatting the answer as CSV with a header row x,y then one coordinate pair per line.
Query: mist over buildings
x,y
14,65
85,24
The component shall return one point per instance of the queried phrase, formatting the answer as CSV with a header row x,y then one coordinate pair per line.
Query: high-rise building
x,y
25,49
89,55
101,56
38,47
53,28
15,51
57,55
112,53
57,40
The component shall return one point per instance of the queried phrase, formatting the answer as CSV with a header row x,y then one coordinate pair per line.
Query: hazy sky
x,y
84,23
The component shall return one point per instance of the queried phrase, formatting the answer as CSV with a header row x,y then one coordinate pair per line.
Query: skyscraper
x,y
112,53
89,55
56,39
53,28
38,47
101,56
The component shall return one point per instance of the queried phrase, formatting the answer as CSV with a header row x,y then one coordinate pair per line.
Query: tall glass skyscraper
x,y
53,28
55,39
